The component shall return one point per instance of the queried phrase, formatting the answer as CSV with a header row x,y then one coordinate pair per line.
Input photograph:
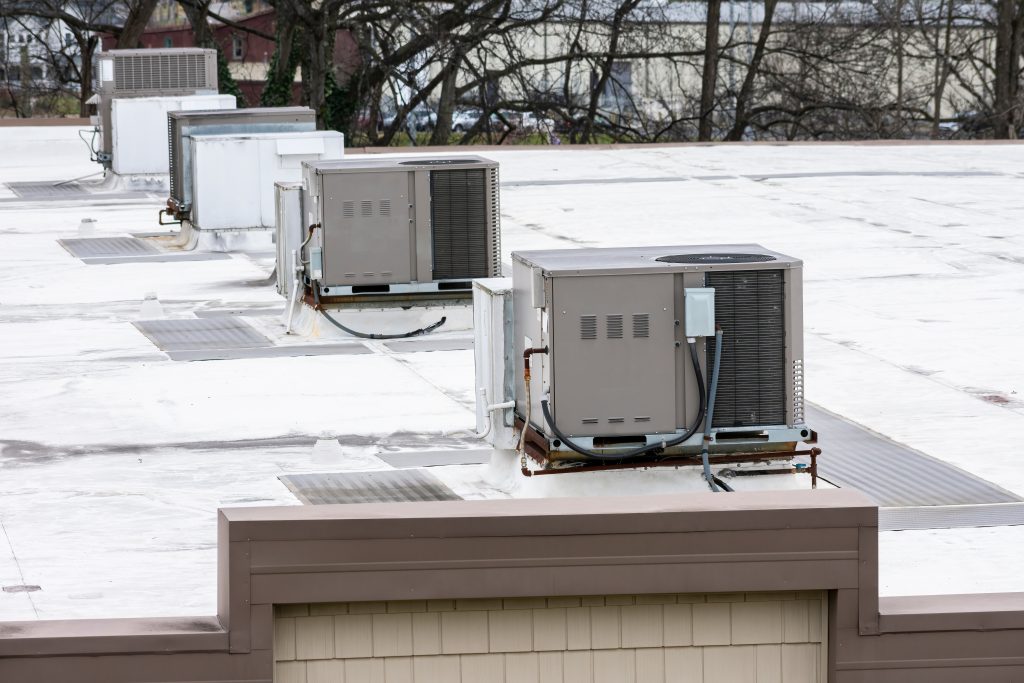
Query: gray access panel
x,y
371,229
612,354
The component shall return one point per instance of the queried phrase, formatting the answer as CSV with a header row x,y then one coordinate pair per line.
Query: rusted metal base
x,y
407,300
535,446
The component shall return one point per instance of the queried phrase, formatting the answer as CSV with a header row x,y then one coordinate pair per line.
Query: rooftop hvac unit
x,y
183,125
139,129
401,226
622,346
149,73
233,176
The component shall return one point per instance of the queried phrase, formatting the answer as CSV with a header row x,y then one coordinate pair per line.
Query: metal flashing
x,y
891,474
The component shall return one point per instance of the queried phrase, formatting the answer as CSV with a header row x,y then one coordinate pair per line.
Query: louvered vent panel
x,y
385,207
366,207
458,215
495,224
588,327
171,140
614,323
641,325
348,209
160,72
749,306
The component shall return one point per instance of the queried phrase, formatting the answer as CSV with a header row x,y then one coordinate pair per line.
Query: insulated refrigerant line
x,y
650,448
373,335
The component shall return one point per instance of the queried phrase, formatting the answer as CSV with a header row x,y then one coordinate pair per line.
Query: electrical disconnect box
x,y
624,345
400,226
147,73
184,126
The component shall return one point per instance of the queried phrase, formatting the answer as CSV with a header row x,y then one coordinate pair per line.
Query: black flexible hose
x,y
643,450
722,484
372,335
369,335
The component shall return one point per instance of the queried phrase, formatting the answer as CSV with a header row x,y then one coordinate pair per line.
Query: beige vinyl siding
x,y
735,637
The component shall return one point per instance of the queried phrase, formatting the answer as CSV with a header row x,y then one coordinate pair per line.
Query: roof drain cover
x,y
711,259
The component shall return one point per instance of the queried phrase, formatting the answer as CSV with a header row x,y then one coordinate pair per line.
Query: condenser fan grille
x,y
458,213
706,259
750,307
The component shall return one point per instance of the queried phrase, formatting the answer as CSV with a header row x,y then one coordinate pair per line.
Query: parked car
x,y
423,119
530,121
465,119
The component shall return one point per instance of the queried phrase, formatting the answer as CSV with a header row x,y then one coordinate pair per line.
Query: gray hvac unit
x,y
401,226
182,126
149,73
614,371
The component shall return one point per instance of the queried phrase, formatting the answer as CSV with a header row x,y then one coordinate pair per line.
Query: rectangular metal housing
x,y
233,175
618,364
183,125
404,225
149,73
288,233
139,129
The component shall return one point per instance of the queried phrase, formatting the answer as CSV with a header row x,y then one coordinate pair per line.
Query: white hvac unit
x,y
139,135
182,126
122,74
401,227
233,176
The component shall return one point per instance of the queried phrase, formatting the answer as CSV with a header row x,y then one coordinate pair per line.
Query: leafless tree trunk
x,y
942,66
614,36
135,25
87,45
743,98
1007,67
709,79
446,104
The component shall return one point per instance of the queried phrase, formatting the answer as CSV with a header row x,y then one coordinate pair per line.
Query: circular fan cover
x,y
433,162
715,258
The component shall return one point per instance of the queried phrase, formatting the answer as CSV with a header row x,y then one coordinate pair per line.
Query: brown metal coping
x,y
89,636
756,541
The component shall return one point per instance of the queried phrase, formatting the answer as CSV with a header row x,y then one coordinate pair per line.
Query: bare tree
x,y
709,81
139,13
1007,70
198,14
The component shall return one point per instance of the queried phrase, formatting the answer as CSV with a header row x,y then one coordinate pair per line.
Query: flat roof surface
x,y
114,457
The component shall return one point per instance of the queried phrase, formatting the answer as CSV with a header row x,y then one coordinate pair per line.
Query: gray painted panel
x,y
389,486
613,353
366,229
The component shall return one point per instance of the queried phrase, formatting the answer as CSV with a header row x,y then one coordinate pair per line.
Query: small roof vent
x,y
432,162
715,258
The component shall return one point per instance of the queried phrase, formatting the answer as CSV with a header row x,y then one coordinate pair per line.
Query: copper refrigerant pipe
x,y
814,467
526,359
529,401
